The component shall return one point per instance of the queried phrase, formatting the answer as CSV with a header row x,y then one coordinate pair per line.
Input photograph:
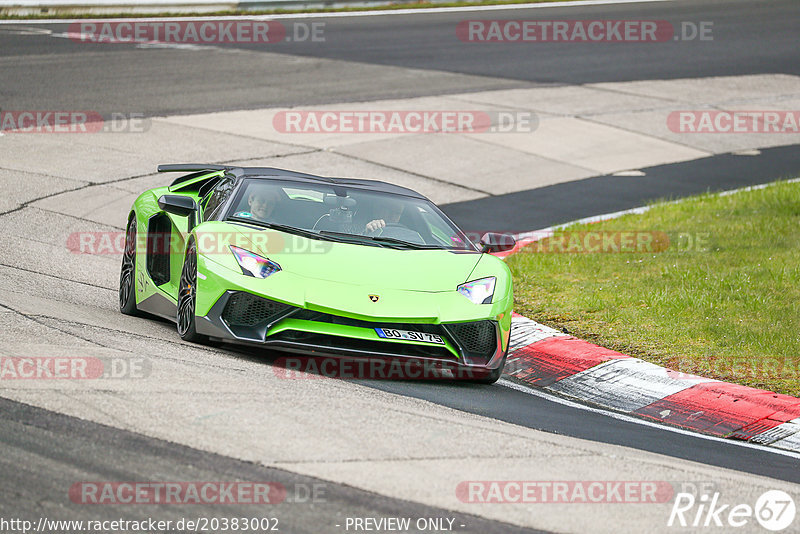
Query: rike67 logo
x,y
775,510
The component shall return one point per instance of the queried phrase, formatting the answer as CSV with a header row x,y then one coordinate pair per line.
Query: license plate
x,y
410,335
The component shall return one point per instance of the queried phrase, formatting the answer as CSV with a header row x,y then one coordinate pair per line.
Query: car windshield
x,y
351,214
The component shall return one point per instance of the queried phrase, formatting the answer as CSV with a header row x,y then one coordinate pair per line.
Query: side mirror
x,y
493,242
179,205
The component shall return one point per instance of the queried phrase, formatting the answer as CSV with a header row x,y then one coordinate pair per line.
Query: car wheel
x,y
127,275
187,297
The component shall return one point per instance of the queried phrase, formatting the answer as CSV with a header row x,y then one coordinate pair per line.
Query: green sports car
x,y
318,266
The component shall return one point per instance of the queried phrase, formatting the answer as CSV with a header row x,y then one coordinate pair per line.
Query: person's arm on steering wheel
x,y
374,225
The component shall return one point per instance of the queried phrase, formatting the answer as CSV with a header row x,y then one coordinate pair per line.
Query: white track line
x,y
630,419
410,11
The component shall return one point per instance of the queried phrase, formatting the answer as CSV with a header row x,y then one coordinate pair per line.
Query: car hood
x,y
364,265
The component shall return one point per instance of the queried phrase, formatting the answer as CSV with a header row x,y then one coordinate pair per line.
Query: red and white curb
x,y
546,358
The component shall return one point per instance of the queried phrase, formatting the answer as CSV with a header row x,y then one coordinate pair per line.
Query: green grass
x,y
66,13
727,309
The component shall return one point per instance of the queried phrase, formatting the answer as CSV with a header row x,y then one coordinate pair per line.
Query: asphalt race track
x,y
137,457
748,40
378,448
570,201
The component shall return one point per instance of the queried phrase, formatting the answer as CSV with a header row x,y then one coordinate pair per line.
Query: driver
x,y
261,203
386,212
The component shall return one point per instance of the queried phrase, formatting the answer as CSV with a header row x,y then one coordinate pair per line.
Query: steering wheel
x,y
401,232
387,226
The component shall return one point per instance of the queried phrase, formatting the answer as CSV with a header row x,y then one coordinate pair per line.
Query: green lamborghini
x,y
318,266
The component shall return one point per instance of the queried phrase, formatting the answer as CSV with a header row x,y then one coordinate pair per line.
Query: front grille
x,y
245,309
477,337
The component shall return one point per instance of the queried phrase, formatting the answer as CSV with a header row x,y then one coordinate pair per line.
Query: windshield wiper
x,y
409,244
388,241
283,228
354,238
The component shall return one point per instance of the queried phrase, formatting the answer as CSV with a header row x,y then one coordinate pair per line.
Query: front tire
x,y
127,275
187,298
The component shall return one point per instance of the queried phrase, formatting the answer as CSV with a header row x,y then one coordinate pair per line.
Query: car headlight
x,y
253,264
479,291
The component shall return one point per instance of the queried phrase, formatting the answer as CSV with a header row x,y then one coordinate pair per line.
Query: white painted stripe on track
x,y
410,11
526,332
780,432
625,385
536,392
791,443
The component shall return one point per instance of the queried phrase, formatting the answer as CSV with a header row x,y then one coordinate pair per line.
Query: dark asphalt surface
x,y
44,453
557,204
513,406
747,39
44,72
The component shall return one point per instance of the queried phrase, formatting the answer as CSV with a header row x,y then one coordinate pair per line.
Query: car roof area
x,y
268,173
271,173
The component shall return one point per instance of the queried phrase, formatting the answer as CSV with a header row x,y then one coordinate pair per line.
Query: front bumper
x,y
246,318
